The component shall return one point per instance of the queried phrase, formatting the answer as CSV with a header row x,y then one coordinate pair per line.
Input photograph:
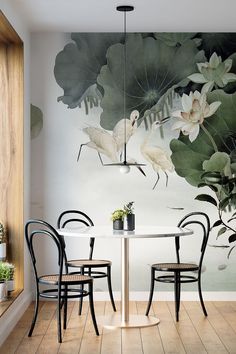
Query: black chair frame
x,y
177,278
62,292
86,269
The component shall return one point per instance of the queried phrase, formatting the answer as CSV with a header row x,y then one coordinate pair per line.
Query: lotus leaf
x,y
231,86
174,39
218,162
77,65
188,157
36,121
224,44
153,70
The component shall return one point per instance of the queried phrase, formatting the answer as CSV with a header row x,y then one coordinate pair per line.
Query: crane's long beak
x,y
164,120
141,170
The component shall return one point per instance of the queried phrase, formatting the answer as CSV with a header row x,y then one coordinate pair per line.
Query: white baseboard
x,y
169,296
9,319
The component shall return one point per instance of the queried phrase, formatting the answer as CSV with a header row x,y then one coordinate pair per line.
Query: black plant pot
x,y
118,224
130,220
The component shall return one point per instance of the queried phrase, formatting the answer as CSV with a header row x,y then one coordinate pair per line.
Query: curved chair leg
x,y
59,316
65,308
91,305
36,308
110,287
200,296
177,295
81,299
151,291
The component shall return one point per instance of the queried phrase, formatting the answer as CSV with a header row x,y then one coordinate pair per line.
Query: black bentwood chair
x,y
62,283
88,266
195,218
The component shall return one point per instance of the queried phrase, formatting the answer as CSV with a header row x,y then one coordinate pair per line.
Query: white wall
x,y
59,183
11,316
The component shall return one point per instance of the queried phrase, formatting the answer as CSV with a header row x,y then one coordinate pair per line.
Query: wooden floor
x,y
193,334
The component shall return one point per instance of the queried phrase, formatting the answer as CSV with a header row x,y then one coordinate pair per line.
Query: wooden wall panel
x,y
14,206
11,145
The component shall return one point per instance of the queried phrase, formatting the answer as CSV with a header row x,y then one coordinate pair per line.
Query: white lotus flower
x,y
215,72
195,110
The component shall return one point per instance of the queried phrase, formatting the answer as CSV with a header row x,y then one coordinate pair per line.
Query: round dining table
x,y
125,319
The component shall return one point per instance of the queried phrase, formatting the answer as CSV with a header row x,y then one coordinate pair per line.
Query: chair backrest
x,y
76,216
195,218
35,229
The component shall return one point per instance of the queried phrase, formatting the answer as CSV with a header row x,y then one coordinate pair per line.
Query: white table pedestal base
x,y
135,321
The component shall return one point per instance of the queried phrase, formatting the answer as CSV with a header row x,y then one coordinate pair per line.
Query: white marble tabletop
x,y
139,232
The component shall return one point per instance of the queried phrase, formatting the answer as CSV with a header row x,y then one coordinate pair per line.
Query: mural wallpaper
x,y
188,79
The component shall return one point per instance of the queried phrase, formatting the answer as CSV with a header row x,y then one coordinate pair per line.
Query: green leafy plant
x,y
2,233
6,271
225,200
129,208
118,214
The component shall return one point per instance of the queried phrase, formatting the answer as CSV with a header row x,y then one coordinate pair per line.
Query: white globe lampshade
x,y
124,169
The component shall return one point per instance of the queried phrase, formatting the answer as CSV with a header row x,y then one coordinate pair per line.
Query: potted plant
x,y
130,217
5,275
11,281
2,242
118,219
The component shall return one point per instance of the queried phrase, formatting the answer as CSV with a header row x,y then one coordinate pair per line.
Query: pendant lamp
x,y
125,165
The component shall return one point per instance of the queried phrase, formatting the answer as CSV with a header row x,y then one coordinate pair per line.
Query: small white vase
x,y
3,291
2,251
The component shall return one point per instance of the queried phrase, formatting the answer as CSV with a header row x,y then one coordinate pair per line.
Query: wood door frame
x,y
12,147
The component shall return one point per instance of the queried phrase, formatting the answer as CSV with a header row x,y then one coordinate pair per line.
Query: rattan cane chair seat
x,y
187,267
65,279
88,263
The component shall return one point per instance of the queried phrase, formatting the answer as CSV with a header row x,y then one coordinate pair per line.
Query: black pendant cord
x,y
125,158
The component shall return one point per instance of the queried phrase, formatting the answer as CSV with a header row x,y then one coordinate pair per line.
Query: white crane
x,y
158,157
128,125
104,143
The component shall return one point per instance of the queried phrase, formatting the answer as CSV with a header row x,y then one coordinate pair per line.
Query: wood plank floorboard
x,y
193,334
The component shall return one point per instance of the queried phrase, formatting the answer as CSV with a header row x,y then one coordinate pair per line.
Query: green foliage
x,y
118,214
2,233
6,271
78,65
153,70
218,162
175,38
189,158
206,198
36,121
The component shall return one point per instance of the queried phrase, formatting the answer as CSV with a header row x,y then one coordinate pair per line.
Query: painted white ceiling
x,y
149,15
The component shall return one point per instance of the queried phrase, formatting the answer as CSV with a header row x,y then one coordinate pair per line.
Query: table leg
x,y
125,320
124,280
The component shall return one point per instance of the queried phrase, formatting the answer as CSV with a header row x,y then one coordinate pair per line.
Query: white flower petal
x,y
197,95
202,100
214,60
194,133
197,78
188,127
229,77
200,66
213,108
207,87
228,64
186,102
178,125
176,114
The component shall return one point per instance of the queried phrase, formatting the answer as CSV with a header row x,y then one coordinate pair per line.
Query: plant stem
x,y
210,137
226,225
